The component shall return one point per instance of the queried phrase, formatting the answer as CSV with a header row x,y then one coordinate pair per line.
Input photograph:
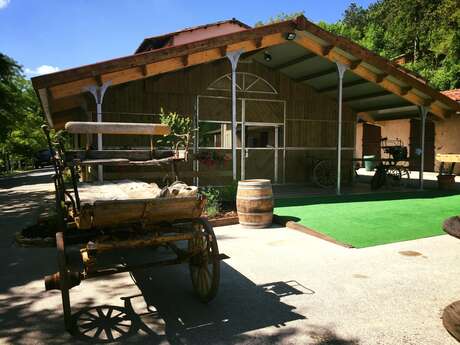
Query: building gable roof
x,y
167,40
391,77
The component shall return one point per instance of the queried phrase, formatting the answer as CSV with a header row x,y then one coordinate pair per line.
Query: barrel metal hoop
x,y
255,214
254,197
254,187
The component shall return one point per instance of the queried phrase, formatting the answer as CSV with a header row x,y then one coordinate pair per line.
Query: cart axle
x,y
53,281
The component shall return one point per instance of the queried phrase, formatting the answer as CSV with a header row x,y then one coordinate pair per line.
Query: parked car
x,y
42,158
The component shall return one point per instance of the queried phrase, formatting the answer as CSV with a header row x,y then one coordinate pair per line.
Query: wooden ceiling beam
x,y
315,75
295,61
71,89
345,85
143,69
61,104
367,96
184,60
383,107
249,55
223,51
405,89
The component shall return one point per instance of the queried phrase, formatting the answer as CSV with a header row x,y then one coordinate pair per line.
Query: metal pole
x,y
341,71
234,57
423,113
98,93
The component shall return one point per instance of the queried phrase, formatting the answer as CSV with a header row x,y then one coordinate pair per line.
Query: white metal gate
x,y
271,142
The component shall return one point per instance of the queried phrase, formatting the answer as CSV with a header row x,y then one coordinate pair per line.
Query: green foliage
x,y
20,114
181,128
280,18
426,32
212,200
228,192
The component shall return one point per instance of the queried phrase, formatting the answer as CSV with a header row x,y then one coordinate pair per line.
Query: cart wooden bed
x,y
101,225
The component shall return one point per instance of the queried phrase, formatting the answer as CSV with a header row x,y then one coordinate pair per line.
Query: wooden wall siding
x,y
301,133
300,164
263,111
310,117
217,109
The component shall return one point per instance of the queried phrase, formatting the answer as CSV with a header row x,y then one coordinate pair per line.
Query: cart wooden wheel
x,y
205,265
393,178
405,177
64,280
325,174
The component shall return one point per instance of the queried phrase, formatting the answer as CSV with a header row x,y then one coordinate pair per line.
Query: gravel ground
x,y
279,286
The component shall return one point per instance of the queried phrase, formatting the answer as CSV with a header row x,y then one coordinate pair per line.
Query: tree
x,y
10,93
20,114
281,17
426,32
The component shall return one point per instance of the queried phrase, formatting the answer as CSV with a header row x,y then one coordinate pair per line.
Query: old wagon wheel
x,y
405,176
64,282
105,324
325,174
205,265
393,176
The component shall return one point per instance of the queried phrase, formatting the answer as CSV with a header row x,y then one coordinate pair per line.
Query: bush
x,y
228,193
181,128
212,200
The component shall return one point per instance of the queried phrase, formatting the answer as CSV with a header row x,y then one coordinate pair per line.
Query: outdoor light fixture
x,y
267,56
290,36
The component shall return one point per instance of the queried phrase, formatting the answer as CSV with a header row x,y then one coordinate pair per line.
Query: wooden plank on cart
x,y
448,157
121,128
101,213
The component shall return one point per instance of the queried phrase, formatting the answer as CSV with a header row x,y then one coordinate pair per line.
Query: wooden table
x,y
450,158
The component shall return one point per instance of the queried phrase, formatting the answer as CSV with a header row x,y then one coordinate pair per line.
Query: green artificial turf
x,y
373,219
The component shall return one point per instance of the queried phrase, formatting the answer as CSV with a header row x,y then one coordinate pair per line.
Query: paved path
x,y
278,286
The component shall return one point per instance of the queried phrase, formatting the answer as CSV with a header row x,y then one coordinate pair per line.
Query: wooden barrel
x,y
254,203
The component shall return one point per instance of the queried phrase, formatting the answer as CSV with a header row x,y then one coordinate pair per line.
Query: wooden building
x,y
297,90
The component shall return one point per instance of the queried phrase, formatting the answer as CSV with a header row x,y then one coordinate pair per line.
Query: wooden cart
x,y
104,225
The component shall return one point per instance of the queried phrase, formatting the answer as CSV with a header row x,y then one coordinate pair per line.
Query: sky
x,y
50,35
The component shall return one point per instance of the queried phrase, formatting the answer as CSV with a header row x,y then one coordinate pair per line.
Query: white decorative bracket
x,y
98,93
